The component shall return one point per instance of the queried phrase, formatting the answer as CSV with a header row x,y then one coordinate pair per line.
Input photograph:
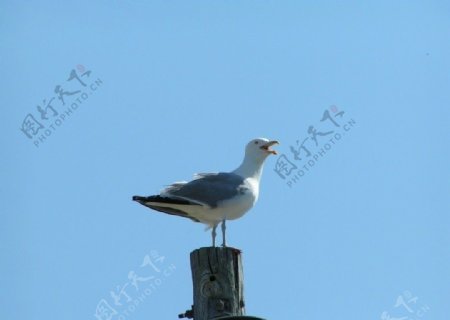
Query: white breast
x,y
238,206
233,208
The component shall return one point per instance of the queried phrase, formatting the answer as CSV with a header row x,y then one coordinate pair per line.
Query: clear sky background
x,y
178,87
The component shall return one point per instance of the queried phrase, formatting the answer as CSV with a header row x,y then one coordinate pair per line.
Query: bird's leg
x,y
213,234
224,243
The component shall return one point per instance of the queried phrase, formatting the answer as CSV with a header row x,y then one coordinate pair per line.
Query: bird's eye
x,y
256,142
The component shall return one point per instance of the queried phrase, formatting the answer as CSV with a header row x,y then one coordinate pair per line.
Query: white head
x,y
259,148
256,152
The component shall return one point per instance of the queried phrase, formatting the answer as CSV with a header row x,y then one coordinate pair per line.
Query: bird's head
x,y
260,148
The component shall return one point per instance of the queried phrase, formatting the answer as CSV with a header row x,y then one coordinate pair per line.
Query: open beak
x,y
267,146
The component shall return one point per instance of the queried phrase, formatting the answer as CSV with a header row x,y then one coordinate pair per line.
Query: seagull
x,y
214,198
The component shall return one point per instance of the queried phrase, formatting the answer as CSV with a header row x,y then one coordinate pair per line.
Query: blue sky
x,y
180,87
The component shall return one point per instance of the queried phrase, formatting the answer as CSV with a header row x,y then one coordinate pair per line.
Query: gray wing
x,y
209,188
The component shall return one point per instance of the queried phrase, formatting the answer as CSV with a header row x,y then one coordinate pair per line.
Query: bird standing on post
x,y
213,198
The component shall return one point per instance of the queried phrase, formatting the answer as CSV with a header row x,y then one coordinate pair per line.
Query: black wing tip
x,y
160,199
146,199
168,210
139,198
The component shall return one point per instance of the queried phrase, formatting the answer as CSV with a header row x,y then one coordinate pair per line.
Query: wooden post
x,y
218,283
